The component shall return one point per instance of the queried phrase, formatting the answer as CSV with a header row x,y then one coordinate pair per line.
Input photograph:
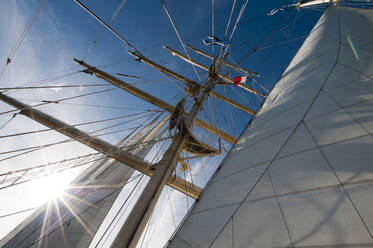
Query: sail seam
x,y
280,207
353,69
341,184
365,181
349,82
294,153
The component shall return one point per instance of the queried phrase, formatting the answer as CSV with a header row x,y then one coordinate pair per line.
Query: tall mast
x,y
132,229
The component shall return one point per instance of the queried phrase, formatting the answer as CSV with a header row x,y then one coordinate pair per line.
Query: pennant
x,y
212,40
237,80
274,11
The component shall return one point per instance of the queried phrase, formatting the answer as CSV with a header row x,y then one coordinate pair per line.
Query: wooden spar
x,y
225,63
151,99
175,53
98,145
186,81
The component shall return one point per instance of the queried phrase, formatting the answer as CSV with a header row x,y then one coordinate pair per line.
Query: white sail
x,y
72,221
301,174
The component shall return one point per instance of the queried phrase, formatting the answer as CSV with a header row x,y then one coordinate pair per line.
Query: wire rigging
x,y
229,20
76,125
243,7
36,148
47,79
8,121
22,36
59,100
265,38
123,207
17,212
179,37
13,178
100,33
76,215
212,23
70,140
54,87
108,27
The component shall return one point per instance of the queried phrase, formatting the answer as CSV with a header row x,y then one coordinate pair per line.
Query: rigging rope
x,y
22,36
109,107
265,38
50,78
59,100
118,212
69,140
41,171
134,190
172,212
229,20
18,212
43,236
108,27
66,141
54,87
212,24
179,37
7,122
100,33
74,125
234,30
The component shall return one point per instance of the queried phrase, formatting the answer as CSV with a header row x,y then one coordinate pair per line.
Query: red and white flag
x,y
237,80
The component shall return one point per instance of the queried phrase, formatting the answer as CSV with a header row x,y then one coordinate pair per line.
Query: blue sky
x,y
64,31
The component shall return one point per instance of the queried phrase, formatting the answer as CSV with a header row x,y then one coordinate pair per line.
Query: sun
x,y
50,187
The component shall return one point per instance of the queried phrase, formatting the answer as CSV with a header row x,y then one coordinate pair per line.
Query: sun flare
x,y
50,187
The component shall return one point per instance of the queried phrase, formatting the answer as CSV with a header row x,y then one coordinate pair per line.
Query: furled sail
x,y
74,220
301,174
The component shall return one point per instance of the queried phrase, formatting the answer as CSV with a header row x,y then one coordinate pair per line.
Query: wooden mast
x,y
135,223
